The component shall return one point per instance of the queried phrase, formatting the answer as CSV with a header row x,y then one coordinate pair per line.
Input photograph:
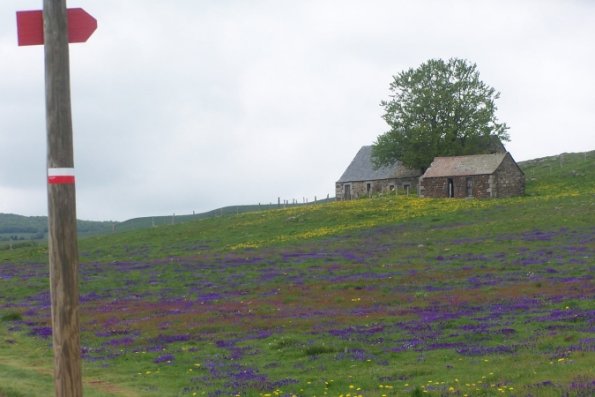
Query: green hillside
x,y
386,296
19,231
564,173
154,221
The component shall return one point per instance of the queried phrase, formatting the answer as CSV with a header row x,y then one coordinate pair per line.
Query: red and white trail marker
x,y
61,176
81,26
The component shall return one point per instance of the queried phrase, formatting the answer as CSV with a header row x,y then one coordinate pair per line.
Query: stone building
x,y
479,176
361,179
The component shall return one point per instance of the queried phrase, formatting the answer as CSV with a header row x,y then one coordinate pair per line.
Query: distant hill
x,y
18,230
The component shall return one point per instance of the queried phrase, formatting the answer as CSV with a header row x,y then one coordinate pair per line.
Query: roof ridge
x,y
471,155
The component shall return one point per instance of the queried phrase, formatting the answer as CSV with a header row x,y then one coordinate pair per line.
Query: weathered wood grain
x,y
62,238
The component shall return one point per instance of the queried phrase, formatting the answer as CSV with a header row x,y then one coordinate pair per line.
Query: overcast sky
x,y
190,105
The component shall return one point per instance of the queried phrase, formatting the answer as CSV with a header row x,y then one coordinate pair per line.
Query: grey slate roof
x,y
479,164
362,169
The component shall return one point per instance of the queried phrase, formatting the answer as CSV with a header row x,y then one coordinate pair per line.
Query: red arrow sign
x,y
81,26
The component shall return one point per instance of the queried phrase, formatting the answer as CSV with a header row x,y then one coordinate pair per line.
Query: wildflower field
x,y
387,296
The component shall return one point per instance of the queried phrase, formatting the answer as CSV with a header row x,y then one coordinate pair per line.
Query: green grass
x,y
13,316
384,296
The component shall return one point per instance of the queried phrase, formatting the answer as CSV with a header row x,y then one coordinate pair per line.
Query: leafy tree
x,y
439,109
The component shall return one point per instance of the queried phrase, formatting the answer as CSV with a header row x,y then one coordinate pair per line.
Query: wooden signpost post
x,y
55,27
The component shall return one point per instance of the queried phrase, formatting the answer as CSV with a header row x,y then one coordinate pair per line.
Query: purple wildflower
x,y
166,358
44,332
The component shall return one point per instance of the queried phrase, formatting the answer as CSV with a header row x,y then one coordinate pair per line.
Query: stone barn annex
x,y
479,176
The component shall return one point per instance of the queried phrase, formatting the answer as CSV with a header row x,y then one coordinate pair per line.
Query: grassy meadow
x,y
387,296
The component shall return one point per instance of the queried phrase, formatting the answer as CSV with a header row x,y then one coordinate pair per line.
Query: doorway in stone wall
x,y
347,192
469,187
451,188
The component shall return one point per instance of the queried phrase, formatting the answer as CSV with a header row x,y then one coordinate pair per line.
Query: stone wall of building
x,y
482,186
509,179
434,187
478,186
338,191
369,188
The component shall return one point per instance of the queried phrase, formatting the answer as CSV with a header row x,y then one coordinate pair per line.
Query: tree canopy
x,y
439,109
